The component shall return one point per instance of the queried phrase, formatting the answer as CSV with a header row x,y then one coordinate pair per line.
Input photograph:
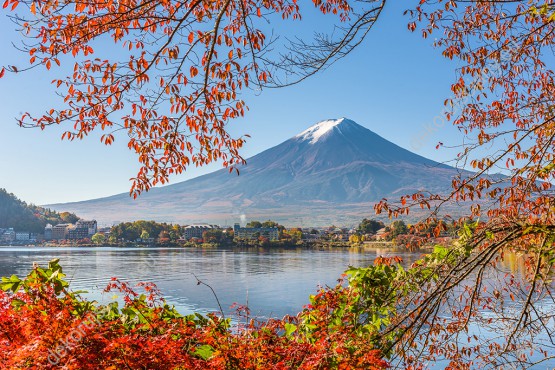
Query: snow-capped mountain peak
x,y
316,132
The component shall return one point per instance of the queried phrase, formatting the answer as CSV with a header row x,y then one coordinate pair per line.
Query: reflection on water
x,y
275,282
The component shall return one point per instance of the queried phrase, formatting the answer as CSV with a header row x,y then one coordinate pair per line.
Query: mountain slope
x,y
334,169
27,217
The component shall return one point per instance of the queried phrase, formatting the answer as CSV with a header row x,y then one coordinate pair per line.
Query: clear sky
x,y
394,84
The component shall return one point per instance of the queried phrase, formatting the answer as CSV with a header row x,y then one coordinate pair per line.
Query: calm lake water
x,y
275,282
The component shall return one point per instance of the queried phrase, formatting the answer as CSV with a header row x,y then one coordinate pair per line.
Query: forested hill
x,y
27,217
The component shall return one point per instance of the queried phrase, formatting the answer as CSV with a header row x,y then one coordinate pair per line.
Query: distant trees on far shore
x,y
143,230
21,216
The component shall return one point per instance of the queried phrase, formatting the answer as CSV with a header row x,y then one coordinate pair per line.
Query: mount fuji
x,y
332,172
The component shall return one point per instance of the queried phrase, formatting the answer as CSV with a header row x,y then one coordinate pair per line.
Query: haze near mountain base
x,y
331,173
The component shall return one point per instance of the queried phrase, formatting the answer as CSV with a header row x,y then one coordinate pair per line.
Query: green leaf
x,y
290,329
17,303
205,351
12,283
54,265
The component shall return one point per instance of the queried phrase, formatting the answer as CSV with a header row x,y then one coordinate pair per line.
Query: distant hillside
x,y
28,217
333,172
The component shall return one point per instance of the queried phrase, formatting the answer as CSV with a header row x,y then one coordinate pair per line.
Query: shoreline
x,y
314,245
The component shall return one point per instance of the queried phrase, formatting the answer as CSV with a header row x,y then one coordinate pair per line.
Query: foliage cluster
x,y
218,236
132,231
293,234
397,227
268,223
98,238
45,325
503,104
265,242
369,226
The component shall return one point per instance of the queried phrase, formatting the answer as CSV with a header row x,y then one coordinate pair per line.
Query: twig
x,y
199,282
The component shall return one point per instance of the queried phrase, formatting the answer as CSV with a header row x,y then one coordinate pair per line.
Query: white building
x,y
90,225
196,231
22,236
60,231
271,233
48,232
8,235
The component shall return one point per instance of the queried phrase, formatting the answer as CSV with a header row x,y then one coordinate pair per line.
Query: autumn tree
x,y
254,224
369,226
503,103
293,233
145,235
397,227
170,72
176,232
213,235
98,238
163,237
69,217
356,238
270,223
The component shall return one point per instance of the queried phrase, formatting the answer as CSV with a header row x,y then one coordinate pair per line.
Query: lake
x,y
274,282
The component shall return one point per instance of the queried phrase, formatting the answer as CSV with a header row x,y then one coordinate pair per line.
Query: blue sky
x,y
394,84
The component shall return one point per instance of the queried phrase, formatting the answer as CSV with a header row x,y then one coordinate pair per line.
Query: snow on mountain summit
x,y
314,133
